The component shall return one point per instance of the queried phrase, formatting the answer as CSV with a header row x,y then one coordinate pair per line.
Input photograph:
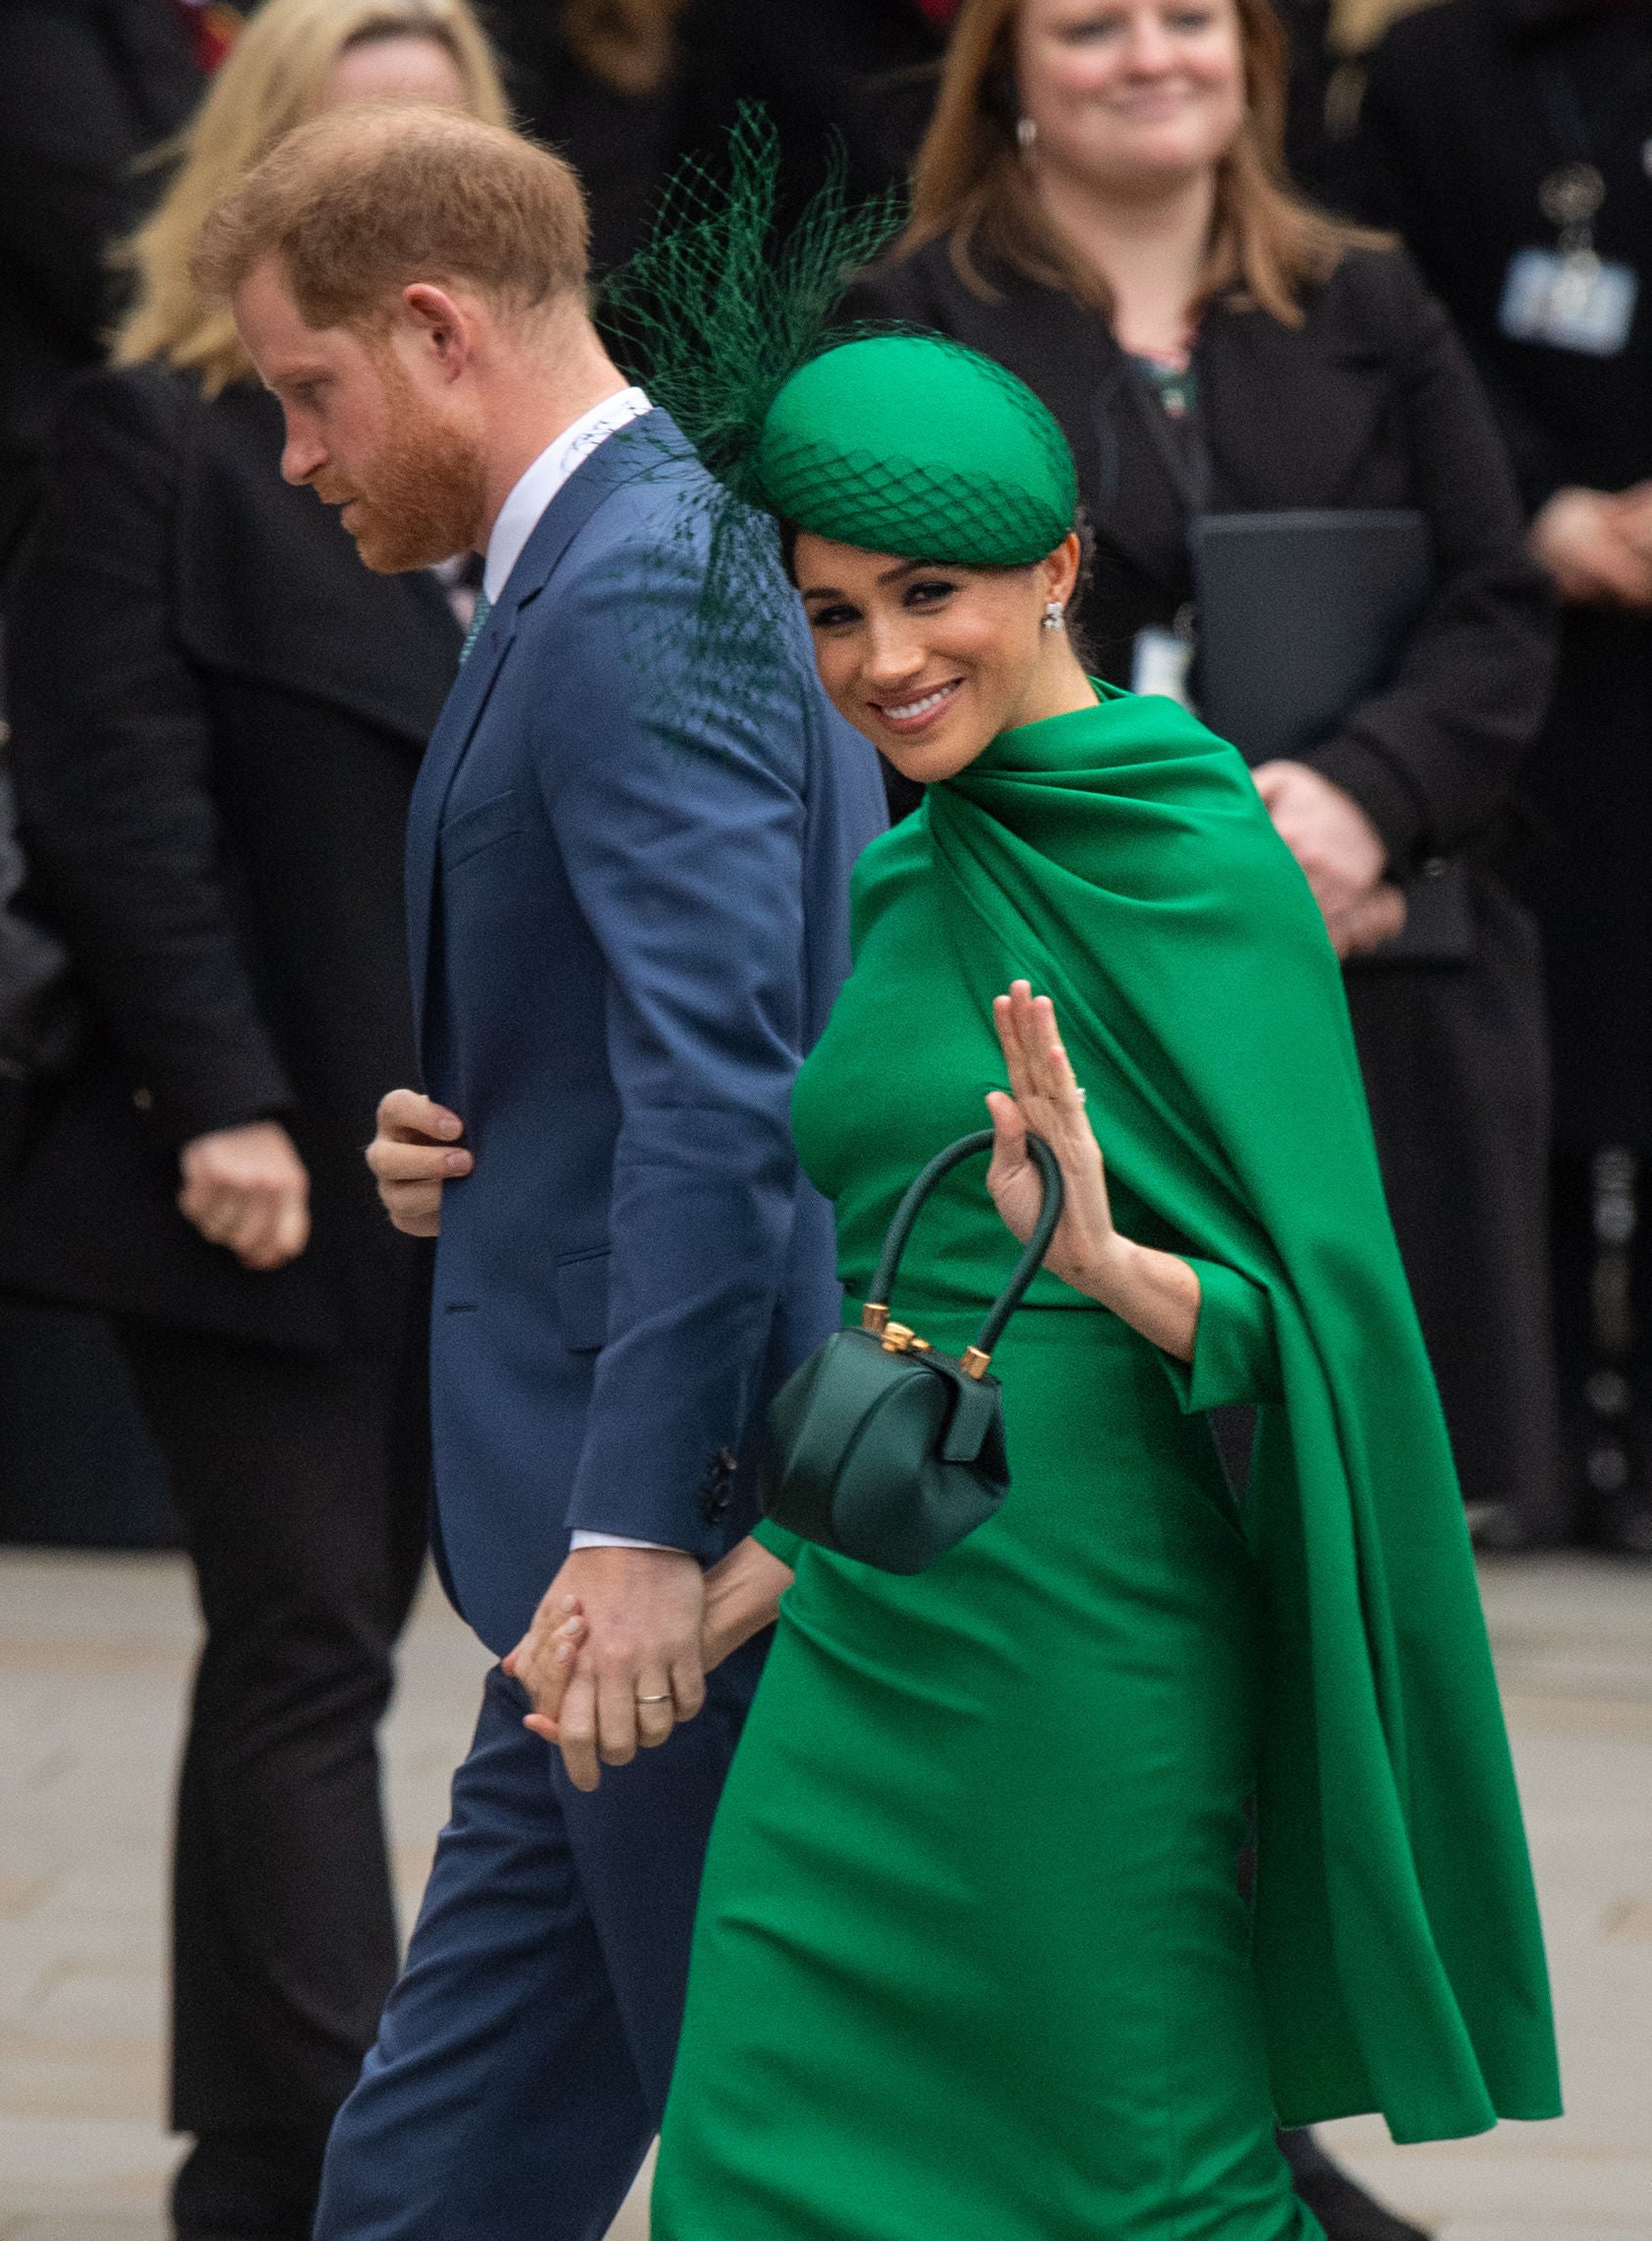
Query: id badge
x,y
1160,663
1570,300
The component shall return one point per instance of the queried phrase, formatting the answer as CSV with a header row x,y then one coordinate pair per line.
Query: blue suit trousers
x,y
522,2064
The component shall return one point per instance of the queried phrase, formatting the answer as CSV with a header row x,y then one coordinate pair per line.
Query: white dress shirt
x,y
534,490
518,518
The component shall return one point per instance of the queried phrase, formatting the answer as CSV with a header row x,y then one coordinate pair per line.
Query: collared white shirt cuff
x,y
584,1540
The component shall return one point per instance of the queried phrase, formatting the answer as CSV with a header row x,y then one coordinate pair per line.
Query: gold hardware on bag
x,y
874,1316
898,1339
972,1362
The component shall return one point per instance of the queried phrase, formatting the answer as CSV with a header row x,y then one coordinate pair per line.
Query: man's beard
x,y
424,497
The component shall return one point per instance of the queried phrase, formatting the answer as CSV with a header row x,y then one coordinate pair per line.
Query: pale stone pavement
x,y
93,1657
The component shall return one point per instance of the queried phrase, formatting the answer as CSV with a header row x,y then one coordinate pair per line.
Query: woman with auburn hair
x,y
217,718
1101,205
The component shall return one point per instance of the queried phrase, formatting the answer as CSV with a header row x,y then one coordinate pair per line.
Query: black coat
x,y
1455,138
622,145
855,77
1371,402
86,86
218,715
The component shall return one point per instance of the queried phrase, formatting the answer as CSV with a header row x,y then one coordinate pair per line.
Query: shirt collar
x,y
521,514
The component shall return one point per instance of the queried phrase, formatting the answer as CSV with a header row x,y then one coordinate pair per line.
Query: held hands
x,y
1597,545
742,1596
1340,851
247,1190
415,1150
613,1659
1156,1293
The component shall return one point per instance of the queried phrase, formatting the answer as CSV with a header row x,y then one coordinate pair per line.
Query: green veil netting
x,y
896,442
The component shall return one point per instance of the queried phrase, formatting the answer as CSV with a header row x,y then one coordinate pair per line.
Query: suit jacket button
x,y
715,1497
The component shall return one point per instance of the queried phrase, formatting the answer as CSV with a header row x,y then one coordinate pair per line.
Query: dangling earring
x,y
1026,133
1055,612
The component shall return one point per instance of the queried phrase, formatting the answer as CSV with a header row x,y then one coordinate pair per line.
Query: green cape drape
x,y
1121,859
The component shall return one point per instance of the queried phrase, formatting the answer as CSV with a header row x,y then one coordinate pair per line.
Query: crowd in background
x,y
1509,1091
216,714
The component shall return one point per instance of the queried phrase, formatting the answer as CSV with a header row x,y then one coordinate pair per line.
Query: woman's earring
x,y
1026,133
1055,614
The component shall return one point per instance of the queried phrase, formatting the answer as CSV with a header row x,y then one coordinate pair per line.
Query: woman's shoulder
x,y
113,454
149,400
908,286
945,283
1377,291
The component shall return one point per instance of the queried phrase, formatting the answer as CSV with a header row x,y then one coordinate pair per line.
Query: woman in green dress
x,y
972,1959
975,1960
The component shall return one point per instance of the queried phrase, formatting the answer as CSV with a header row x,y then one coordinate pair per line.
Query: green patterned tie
x,y
484,608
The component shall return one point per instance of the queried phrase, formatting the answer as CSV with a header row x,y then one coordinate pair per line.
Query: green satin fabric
x,y
1121,859
971,1955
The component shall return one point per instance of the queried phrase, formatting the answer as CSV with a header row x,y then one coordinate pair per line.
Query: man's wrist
x,y
583,1538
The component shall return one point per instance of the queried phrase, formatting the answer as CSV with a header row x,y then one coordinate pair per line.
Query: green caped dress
x,y
974,1961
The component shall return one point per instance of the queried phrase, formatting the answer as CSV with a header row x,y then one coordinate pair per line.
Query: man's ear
x,y
440,326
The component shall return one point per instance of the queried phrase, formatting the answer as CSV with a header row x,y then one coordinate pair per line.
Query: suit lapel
x,y
624,456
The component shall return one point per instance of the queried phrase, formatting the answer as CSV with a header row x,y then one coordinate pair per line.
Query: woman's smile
x,y
917,711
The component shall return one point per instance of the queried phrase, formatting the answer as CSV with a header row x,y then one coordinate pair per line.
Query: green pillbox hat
x,y
912,445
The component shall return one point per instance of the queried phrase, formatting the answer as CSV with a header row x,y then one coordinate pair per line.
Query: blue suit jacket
x,y
627,922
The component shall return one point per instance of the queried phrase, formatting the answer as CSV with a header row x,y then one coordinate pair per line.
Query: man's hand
x,y
1597,545
639,1670
246,1189
415,1150
1328,833
742,1596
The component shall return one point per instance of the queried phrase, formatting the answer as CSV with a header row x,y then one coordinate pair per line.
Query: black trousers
x,y
303,1484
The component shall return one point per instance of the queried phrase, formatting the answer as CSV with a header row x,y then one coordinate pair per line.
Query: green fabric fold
x,y
1236,1355
1120,860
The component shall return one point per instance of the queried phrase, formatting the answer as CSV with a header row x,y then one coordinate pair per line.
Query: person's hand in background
x,y
247,1189
1340,851
1367,925
1597,546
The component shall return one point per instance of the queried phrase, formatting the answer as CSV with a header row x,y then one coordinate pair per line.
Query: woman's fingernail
x,y
457,1162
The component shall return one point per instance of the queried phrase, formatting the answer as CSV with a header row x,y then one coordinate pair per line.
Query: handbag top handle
x,y
874,1316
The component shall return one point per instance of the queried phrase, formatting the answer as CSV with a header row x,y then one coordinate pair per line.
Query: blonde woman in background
x,y
218,713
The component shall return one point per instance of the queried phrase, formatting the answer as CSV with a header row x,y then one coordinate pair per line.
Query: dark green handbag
x,y
881,1447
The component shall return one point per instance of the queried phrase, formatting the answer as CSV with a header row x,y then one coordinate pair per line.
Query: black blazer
x,y
853,80
217,717
1371,402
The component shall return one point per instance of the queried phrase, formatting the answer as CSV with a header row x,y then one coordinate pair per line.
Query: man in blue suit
x,y
628,920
